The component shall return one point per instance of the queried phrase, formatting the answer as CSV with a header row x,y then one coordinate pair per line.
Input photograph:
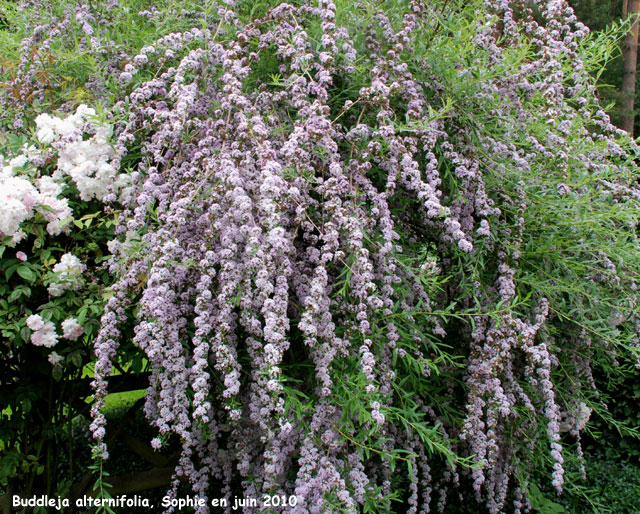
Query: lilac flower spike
x,y
327,264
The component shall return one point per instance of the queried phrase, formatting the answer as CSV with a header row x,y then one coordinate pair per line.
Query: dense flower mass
x,y
71,329
68,275
55,359
371,251
22,198
281,222
83,153
44,332
88,161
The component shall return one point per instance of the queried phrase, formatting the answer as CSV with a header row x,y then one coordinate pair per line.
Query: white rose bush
x,y
361,256
51,272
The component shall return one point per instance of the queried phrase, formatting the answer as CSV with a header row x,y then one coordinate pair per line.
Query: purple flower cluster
x,y
272,247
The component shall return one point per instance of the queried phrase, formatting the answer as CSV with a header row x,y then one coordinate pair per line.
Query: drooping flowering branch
x,y
298,181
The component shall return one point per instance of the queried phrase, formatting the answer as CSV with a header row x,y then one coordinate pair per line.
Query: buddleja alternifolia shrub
x,y
374,251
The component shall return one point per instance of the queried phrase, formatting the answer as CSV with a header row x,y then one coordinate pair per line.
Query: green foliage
x,y
101,487
615,431
612,487
72,66
542,504
605,21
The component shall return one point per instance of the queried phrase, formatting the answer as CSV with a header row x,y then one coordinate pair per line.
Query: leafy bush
x,y
612,487
616,430
52,287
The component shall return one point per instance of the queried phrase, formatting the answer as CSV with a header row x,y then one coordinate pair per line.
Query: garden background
x,y
374,256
